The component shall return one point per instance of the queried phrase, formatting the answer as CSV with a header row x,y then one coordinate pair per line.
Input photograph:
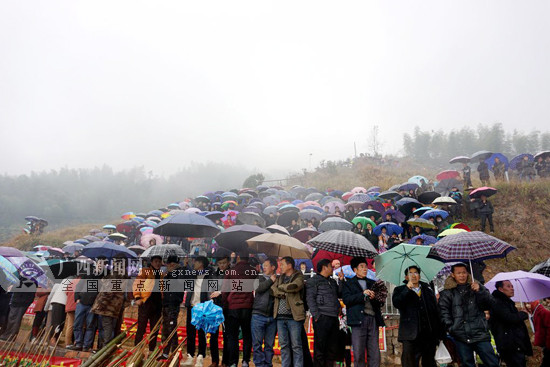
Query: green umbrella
x,y
391,265
364,221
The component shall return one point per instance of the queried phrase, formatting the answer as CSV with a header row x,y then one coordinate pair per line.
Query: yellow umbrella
x,y
279,245
451,231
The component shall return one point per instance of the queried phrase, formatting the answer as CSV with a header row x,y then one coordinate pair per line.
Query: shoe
x,y
162,357
87,350
199,361
244,364
188,361
74,347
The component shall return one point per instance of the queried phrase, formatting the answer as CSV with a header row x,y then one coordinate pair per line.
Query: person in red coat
x,y
541,322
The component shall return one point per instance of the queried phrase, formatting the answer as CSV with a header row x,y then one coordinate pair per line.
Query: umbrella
x,y
207,316
128,215
461,226
278,245
376,205
234,238
422,210
407,205
215,215
444,187
115,236
357,205
514,162
92,238
146,239
71,249
428,197
163,251
418,180
10,252
359,189
10,272
289,207
369,213
444,200
30,270
391,228
460,159
360,197
544,154
486,191
374,189
335,223
304,234
314,197
63,269
422,223
408,186
347,195
348,271
434,213
427,240
528,287
272,209
187,225
252,209
275,228
389,195
137,249
491,161
309,214
445,175
481,155
345,243
31,218
451,232
251,218
542,268
109,226
391,265
333,205
395,214
364,221
107,249
285,219
467,246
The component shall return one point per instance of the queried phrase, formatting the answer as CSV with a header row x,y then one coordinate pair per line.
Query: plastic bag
x,y
442,355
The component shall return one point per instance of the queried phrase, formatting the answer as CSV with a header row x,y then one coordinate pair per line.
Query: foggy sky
x,y
262,84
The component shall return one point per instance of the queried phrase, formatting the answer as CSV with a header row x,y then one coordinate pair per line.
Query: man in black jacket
x,y
462,305
419,324
264,326
363,299
508,327
322,299
485,211
21,298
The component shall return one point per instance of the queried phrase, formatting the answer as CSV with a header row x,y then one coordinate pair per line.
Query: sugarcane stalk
x,y
115,362
103,352
175,359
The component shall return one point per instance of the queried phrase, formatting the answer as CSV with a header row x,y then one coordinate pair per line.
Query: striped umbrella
x,y
345,243
163,251
469,246
335,223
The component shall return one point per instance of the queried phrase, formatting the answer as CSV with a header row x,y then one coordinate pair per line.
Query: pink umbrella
x,y
146,238
358,189
332,205
447,175
347,195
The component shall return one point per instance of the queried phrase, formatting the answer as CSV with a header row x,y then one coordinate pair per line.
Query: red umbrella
x,y
447,175
344,259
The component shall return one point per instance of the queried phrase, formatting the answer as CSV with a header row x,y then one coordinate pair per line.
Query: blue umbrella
x,y
391,228
71,249
408,186
272,209
156,213
107,249
30,270
82,241
514,162
336,193
418,180
491,160
207,316
428,240
434,213
395,214
187,225
214,215
422,210
9,270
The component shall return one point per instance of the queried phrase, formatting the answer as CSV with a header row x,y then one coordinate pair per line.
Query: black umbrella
x,y
460,159
187,225
251,218
335,223
390,195
286,218
542,268
65,269
444,187
428,197
235,237
481,155
275,228
367,213
543,154
407,205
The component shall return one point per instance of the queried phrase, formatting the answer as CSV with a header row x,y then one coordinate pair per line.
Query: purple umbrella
x,y
10,252
528,287
304,234
395,214
469,246
333,205
376,205
428,240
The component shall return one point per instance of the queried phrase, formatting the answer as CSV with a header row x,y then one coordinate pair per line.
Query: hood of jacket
x,y
450,282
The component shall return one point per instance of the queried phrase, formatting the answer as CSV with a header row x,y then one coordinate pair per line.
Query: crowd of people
x,y
346,312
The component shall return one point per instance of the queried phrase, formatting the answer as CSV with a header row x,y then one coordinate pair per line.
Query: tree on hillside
x,y
254,180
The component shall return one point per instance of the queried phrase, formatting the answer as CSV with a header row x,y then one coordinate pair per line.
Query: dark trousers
x,y
14,320
483,349
58,319
325,341
484,218
109,326
214,347
39,317
192,335
308,361
420,349
170,315
545,357
513,358
238,319
364,338
149,312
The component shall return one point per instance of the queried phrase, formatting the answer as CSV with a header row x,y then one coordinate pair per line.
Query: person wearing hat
x,y
419,323
148,298
364,299
462,305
